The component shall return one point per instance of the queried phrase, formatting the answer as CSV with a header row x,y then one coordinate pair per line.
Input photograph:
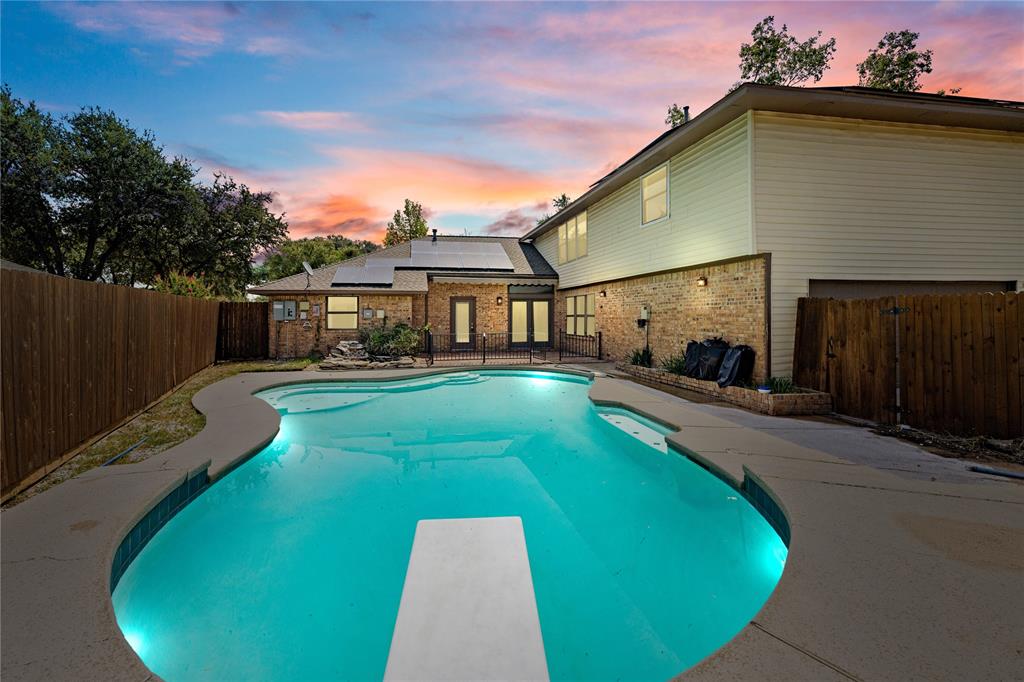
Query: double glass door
x,y
530,316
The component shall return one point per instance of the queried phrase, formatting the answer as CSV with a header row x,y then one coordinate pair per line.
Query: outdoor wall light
x,y
603,294
702,281
500,299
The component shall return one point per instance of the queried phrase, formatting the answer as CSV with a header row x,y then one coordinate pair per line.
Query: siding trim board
x,y
695,266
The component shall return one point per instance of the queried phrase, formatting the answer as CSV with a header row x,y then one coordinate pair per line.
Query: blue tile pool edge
x,y
752,488
153,520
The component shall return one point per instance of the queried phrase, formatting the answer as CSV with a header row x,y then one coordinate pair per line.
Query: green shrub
x,y
400,339
183,285
675,364
404,340
642,357
781,385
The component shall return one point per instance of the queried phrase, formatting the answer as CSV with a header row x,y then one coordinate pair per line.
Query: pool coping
x,y
59,547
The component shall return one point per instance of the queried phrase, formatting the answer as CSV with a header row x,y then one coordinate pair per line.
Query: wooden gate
x,y
961,359
243,331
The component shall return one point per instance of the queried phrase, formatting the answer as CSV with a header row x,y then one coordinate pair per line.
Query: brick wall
x,y
732,306
802,401
298,338
491,316
419,310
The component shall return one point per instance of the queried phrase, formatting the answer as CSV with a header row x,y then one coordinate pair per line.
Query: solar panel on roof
x,y
369,275
459,255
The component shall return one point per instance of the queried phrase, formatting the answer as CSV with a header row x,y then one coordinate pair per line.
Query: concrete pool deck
x,y
902,565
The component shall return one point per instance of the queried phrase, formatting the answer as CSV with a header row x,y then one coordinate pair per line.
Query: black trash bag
x,y
711,353
737,366
691,361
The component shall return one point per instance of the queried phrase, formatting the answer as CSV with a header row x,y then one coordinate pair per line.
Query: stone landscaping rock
x,y
349,350
357,358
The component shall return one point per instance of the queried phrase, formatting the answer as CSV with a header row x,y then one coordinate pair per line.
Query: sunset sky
x,y
481,112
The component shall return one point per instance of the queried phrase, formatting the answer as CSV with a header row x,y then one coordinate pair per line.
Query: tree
x,y
776,58
676,116
406,225
238,224
87,196
30,164
896,64
317,251
559,202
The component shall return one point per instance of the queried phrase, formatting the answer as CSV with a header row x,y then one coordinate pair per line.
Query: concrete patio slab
x,y
902,564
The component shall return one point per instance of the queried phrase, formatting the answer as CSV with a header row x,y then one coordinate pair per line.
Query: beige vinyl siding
x,y
708,220
863,200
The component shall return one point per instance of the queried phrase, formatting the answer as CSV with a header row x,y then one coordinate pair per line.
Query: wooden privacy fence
x,y
79,357
243,331
960,359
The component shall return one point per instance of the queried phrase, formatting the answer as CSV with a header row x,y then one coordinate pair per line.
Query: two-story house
x,y
718,226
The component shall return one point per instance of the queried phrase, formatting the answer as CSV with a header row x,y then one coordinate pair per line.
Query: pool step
x,y
462,379
468,610
322,402
643,433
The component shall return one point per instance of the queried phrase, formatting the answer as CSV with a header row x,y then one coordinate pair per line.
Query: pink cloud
x,y
272,46
517,222
195,33
193,30
315,120
357,195
339,214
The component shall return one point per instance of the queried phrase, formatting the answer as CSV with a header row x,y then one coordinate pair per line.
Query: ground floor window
x,y
580,315
342,312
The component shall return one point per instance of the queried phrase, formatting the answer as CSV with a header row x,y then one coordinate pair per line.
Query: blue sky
x,y
482,112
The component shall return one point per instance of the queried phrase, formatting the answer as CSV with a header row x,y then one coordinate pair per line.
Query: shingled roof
x,y
526,263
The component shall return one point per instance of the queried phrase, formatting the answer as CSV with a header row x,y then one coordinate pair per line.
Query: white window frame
x,y
569,241
354,313
668,195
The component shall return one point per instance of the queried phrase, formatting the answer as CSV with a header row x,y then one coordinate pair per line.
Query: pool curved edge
x,y
238,425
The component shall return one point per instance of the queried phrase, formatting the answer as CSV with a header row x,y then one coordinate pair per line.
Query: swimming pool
x,y
293,565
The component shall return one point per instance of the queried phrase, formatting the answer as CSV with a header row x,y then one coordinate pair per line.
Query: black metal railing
x,y
482,347
579,346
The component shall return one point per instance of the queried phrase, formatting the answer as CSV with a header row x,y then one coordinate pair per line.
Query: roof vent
x,y
434,238
686,114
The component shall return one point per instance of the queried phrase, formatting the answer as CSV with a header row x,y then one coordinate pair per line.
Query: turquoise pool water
x,y
292,566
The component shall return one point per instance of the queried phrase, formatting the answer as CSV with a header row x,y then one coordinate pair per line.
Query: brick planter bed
x,y
803,401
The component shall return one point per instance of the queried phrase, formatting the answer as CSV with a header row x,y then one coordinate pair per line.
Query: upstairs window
x,y
654,194
342,312
572,238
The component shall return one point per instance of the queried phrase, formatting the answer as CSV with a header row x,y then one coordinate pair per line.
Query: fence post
x,y
430,347
599,345
530,339
561,342
483,360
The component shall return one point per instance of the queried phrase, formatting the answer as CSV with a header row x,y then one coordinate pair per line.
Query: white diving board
x,y
468,610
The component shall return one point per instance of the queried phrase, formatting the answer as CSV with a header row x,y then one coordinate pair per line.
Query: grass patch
x,y
171,421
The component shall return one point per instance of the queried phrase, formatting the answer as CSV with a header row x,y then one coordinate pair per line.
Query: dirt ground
x,y
171,421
